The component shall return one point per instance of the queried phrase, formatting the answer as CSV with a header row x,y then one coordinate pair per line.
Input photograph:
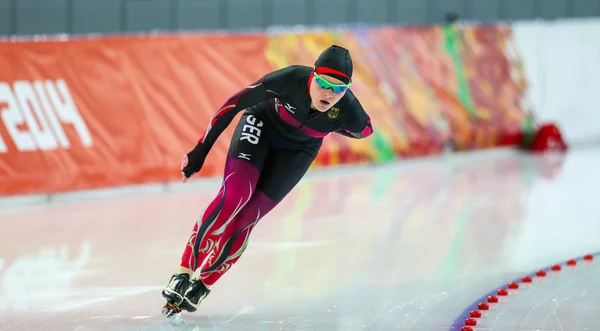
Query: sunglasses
x,y
324,84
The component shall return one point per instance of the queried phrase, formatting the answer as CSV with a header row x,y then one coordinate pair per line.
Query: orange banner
x,y
106,112
111,111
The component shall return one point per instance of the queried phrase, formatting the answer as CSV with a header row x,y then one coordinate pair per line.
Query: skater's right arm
x,y
267,87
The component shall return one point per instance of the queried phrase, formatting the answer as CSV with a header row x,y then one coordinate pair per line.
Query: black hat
x,y
335,61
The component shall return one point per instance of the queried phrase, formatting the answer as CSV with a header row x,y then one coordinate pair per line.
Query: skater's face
x,y
323,96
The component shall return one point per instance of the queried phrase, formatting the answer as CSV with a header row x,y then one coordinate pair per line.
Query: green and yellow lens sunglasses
x,y
324,84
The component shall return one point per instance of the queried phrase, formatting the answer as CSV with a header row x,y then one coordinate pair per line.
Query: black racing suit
x,y
274,144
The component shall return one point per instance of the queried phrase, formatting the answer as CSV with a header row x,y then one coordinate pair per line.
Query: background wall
x,y
429,89
111,16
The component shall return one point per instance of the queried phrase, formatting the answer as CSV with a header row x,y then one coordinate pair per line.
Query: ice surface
x,y
406,246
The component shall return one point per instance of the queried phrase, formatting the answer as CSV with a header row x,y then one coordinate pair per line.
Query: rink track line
x,y
461,322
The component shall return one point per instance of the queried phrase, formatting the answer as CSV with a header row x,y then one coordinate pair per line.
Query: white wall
x,y
562,65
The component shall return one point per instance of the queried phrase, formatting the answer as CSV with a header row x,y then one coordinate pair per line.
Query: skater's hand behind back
x,y
192,162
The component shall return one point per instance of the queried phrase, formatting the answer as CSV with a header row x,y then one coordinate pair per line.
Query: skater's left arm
x,y
358,124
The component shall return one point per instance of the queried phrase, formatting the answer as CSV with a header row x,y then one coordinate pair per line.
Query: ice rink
x,y
414,245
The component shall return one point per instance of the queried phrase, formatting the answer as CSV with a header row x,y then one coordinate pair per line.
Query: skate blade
x,y
170,309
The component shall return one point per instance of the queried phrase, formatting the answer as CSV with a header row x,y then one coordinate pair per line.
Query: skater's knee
x,y
258,206
262,203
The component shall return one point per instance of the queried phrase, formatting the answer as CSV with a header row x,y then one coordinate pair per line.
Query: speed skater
x,y
287,114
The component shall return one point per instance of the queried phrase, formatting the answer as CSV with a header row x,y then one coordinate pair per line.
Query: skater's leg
x,y
199,289
239,184
282,171
191,259
246,157
235,237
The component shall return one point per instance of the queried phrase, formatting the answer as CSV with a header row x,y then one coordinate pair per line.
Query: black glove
x,y
195,161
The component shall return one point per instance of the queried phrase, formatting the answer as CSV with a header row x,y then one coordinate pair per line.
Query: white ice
x,y
404,246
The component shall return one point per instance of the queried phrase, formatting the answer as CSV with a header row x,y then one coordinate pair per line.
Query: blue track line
x,y
460,320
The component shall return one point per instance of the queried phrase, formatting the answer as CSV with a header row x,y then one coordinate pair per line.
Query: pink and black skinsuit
x,y
275,142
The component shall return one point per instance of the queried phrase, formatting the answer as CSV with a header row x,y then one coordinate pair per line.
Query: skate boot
x,y
174,293
195,293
